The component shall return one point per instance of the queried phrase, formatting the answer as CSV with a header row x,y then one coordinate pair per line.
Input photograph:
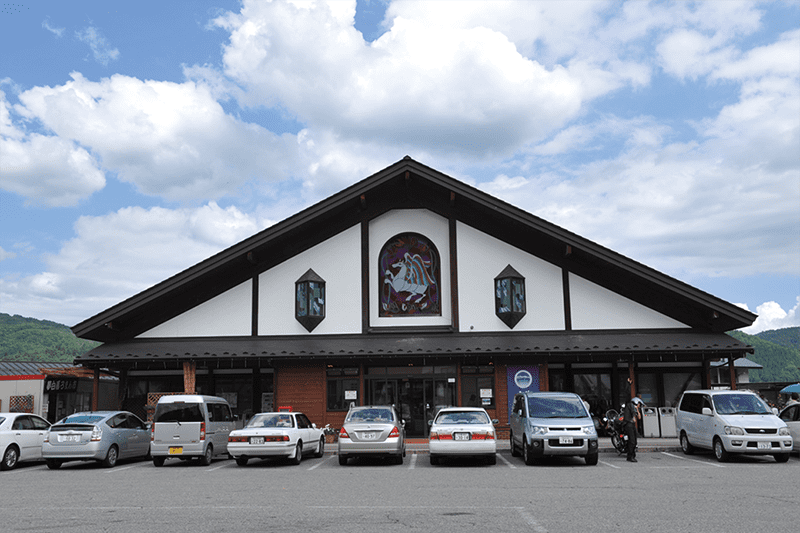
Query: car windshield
x,y
178,412
271,421
82,419
739,404
370,415
539,407
462,417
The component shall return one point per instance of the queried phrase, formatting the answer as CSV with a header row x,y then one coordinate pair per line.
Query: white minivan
x,y
190,426
731,421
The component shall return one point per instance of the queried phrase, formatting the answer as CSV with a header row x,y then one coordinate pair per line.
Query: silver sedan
x,y
463,432
375,431
104,436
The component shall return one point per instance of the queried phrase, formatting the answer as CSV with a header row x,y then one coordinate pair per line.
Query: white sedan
x,y
463,431
282,434
21,436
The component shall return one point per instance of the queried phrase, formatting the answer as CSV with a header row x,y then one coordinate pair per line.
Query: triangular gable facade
x,y
417,268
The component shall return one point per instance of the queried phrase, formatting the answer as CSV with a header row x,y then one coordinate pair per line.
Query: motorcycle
x,y
614,427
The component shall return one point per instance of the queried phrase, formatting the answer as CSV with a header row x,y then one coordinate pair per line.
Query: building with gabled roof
x,y
413,288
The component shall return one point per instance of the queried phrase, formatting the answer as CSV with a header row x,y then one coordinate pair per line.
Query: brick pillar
x,y
95,389
632,377
544,377
189,376
733,372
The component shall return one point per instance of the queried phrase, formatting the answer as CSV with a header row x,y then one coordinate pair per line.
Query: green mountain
x,y
779,357
29,339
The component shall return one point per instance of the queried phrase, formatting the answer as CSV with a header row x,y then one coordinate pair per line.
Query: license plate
x,y
256,440
369,436
460,436
764,445
565,440
69,438
175,450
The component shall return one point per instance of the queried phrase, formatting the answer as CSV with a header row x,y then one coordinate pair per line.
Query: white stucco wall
x,y
594,307
480,259
227,314
424,222
338,262
22,387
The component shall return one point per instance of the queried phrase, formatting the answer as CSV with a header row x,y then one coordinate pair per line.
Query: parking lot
x,y
664,491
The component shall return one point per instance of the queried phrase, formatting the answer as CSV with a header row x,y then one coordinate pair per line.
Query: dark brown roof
x,y
409,184
589,346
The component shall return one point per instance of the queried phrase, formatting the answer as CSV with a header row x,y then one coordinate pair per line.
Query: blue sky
x,y
137,139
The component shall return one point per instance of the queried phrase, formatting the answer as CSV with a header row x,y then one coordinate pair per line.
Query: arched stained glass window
x,y
409,274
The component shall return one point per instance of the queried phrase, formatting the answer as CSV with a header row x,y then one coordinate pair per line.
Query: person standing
x,y
630,415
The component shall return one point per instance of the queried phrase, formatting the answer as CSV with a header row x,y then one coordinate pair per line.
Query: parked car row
x,y
541,423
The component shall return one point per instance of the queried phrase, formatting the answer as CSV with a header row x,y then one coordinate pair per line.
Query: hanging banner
x,y
521,379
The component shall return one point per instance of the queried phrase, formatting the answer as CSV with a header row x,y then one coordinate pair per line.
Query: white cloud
x,y
120,254
101,49
47,170
6,255
169,139
58,32
772,316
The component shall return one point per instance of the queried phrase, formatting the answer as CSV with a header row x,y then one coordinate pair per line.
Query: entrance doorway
x,y
417,399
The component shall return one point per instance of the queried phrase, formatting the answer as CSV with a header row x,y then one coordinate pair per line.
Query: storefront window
x,y
676,383
477,386
596,390
343,385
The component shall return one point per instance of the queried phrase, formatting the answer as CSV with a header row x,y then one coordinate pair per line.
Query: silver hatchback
x,y
104,436
375,431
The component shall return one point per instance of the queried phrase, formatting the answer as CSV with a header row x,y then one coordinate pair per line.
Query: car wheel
x,y
687,448
241,461
342,460
159,461
53,464
10,458
514,451
526,453
491,460
111,457
781,457
398,460
207,456
298,454
719,451
320,448
592,459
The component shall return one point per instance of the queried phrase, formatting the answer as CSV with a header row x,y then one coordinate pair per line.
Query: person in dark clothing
x,y
630,414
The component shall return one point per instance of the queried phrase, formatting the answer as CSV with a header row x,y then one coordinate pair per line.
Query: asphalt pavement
x,y
645,445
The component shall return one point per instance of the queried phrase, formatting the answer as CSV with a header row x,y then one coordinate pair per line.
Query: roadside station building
x,y
413,288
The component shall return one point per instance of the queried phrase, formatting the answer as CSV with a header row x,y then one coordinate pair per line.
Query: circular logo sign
x,y
523,379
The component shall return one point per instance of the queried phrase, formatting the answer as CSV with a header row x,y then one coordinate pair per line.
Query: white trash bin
x,y
650,420
667,417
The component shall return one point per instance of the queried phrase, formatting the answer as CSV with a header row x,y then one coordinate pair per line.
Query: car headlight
x,y
588,430
733,430
538,430
783,431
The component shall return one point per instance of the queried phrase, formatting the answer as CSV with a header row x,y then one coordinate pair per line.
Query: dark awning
x,y
571,346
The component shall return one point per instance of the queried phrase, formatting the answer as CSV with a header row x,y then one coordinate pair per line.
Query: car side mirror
x,y
403,422
313,425
775,411
519,413
430,422
148,425
495,421
706,411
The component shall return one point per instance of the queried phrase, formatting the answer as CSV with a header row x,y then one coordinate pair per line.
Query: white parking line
x,y
693,460
506,461
609,464
120,469
223,465
531,521
413,462
320,462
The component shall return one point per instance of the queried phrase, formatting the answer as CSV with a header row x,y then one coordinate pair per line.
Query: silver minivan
x,y
190,426
731,421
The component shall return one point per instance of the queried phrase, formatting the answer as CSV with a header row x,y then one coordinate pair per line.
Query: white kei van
x,y
731,421
190,426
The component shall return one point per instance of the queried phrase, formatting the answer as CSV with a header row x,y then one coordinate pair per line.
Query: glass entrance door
x,y
417,399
